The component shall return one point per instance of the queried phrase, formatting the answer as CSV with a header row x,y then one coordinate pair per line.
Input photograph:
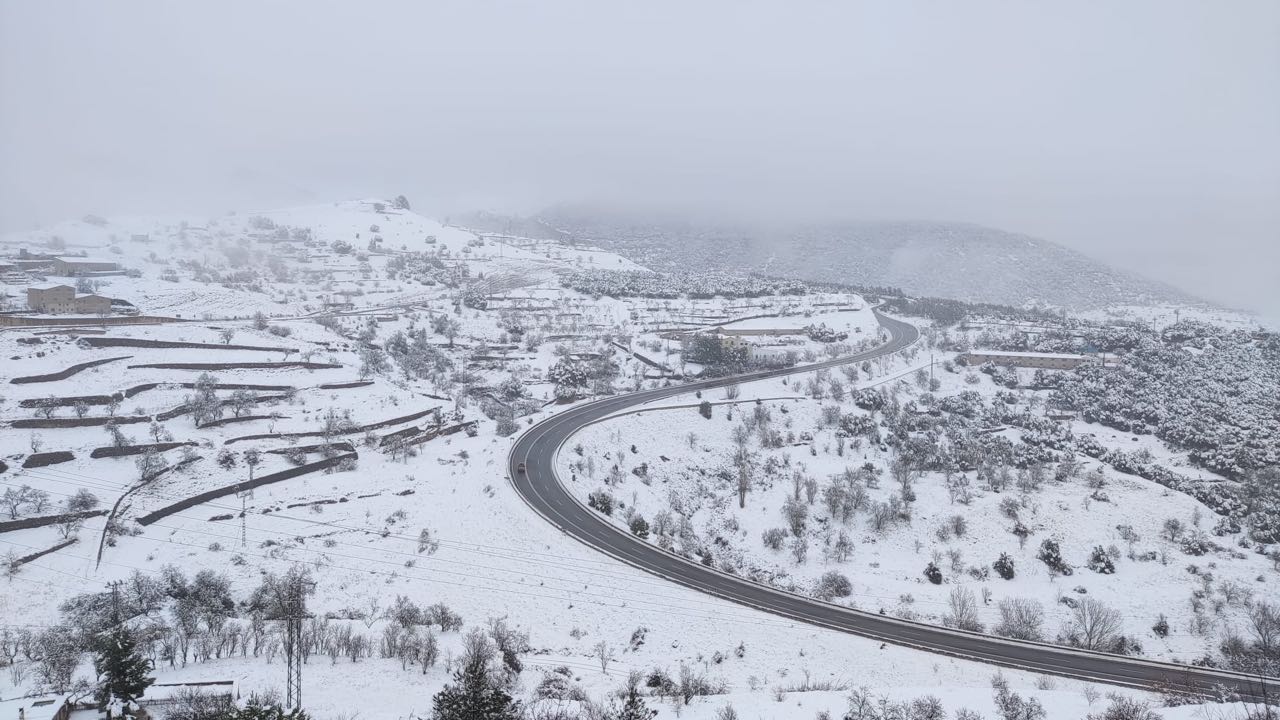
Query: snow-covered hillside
x,y
331,392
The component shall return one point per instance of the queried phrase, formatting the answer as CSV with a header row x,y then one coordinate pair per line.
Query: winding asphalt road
x,y
542,490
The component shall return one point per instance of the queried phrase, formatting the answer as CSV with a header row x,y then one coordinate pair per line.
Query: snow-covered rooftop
x,y
35,708
88,259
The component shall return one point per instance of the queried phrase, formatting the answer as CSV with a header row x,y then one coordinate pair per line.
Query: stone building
x,y
63,299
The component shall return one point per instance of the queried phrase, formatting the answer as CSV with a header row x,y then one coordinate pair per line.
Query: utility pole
x,y
293,658
244,496
114,587
287,603
293,610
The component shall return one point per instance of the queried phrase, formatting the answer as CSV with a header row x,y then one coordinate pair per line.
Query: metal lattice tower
x,y
292,610
245,496
293,659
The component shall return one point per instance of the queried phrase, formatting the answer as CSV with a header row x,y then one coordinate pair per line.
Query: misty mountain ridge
x,y
953,260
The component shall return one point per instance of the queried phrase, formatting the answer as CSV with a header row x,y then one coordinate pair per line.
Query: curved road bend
x,y
542,490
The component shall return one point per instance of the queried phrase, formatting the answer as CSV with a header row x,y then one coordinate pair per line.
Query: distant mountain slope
x,y
964,262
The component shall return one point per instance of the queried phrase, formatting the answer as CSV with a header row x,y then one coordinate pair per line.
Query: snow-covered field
x,y
449,330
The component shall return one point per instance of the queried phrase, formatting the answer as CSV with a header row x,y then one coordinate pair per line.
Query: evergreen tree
x,y
474,695
633,707
122,671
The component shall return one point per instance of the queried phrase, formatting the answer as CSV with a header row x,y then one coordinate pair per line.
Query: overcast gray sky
x,y
1143,133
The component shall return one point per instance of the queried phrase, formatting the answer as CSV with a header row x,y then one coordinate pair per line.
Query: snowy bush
x,y
601,501
1051,556
506,426
773,538
832,585
1123,707
638,526
1161,628
439,614
1012,706
1196,544
1003,566
933,574
823,334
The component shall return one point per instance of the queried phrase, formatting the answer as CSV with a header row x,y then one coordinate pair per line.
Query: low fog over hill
x,y
962,261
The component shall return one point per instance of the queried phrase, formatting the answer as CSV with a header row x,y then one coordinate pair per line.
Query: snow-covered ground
x,y
693,473
359,529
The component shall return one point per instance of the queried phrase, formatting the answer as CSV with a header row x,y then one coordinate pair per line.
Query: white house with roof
x,y
43,707
82,265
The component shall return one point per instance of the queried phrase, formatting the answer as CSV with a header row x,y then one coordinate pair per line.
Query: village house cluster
x,y
55,298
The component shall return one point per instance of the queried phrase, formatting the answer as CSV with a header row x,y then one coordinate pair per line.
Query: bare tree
x,y
401,448
204,404
15,498
281,596
1123,707
796,514
333,425
241,402
81,408
604,654
69,526
905,475
1012,706
39,500
843,547
47,407
1094,625
1264,622
118,438
373,361
10,564
963,612
1020,618
149,464
158,432
450,329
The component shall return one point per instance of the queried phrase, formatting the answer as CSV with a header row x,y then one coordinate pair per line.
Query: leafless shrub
x,y
1126,708
1020,618
963,611
1095,626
